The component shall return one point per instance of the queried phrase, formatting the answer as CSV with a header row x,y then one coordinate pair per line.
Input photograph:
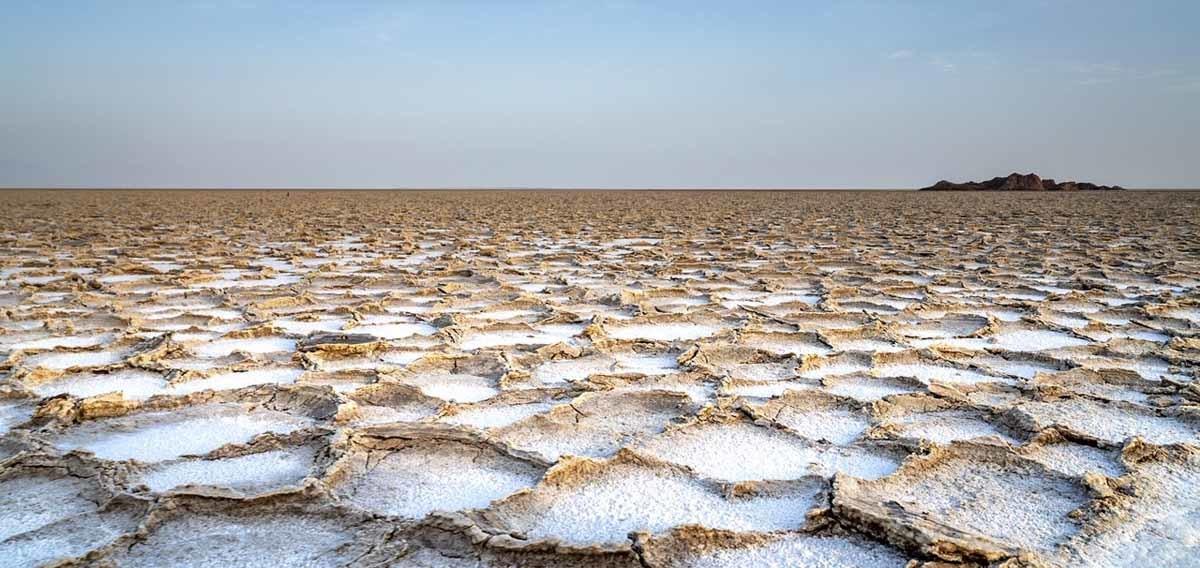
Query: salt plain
x,y
598,379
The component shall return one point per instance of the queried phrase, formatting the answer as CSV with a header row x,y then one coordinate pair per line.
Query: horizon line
x,y
510,188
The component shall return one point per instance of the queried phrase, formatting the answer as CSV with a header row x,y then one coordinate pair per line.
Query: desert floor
x,y
599,378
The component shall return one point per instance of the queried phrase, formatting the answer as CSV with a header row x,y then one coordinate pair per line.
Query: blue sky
x,y
597,94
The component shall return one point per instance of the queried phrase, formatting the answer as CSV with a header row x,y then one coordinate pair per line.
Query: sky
x,y
767,94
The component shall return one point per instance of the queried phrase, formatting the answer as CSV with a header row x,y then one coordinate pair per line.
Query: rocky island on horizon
x,y
1019,182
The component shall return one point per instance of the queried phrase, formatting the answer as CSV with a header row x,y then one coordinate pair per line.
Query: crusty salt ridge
x,y
598,379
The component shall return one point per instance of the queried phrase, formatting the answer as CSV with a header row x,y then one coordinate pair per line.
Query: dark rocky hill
x,y
1019,182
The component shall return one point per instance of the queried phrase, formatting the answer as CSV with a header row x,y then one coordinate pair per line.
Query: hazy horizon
x,y
530,95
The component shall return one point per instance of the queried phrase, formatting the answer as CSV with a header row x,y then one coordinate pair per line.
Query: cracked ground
x,y
659,379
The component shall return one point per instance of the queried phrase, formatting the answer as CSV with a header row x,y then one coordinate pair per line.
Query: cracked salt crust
x,y
237,380
773,303
662,332
411,482
744,452
614,502
223,347
803,550
253,472
132,384
165,435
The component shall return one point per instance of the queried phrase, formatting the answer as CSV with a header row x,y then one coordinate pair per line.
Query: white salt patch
x,y
29,503
119,278
496,416
608,506
487,339
64,341
54,360
835,425
744,452
225,347
132,384
1190,314
1077,459
927,373
776,299
190,337
206,539
1149,368
165,266
454,387
1036,340
1160,528
48,297
833,370
696,392
645,241
680,302
409,309
764,390
646,364
961,343
866,390
499,315
663,331
415,481
189,364
396,330
299,327
1023,369
1109,423
219,313
1002,314
789,347
867,345
37,279
741,294
803,550
11,414
401,358
27,325
1018,506
948,426
369,414
169,435
571,370
223,283
237,380
339,385
761,371
1145,336
267,470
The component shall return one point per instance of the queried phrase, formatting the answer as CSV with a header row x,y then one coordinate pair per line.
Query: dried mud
x,y
651,379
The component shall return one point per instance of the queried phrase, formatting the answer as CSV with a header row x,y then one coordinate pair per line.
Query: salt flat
x,y
599,378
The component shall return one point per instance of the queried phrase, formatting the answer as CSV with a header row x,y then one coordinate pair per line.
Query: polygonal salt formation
x,y
816,416
736,450
201,531
582,501
927,419
595,424
52,512
1112,423
164,435
967,502
696,547
409,471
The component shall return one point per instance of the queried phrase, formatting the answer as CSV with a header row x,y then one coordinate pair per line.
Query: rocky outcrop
x,y
1019,182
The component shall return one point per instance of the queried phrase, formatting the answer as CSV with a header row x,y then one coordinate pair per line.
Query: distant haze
x,y
597,94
